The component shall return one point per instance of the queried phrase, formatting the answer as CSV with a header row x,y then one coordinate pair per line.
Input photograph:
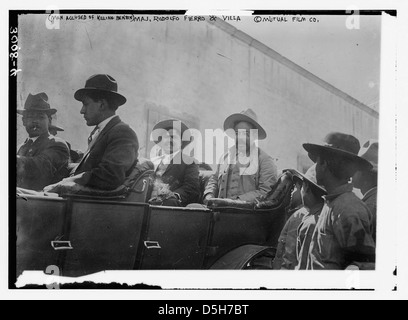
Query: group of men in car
x,y
332,229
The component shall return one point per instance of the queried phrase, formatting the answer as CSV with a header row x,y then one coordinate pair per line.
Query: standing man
x,y
343,232
112,146
367,180
43,158
235,179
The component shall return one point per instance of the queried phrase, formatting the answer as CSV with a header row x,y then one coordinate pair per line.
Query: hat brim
x,y
301,176
48,111
169,124
316,149
232,120
81,93
56,128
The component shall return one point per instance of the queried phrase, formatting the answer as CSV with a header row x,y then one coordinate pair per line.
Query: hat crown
x,y
102,82
369,152
343,142
311,174
251,114
37,102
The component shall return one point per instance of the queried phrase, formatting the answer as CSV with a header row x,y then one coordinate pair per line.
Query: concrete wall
x,y
197,71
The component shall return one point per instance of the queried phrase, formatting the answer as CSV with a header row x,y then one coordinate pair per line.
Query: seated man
x,y
245,172
176,178
367,180
43,158
112,146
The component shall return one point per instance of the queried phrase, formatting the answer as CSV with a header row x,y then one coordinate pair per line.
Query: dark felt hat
x,y
171,124
309,176
249,116
102,83
37,103
339,145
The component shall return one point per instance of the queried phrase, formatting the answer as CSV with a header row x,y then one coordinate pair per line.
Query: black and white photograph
x,y
188,149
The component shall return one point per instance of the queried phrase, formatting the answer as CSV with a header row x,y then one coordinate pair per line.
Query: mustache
x,y
34,127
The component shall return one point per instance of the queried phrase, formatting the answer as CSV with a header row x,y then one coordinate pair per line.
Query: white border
x,y
389,200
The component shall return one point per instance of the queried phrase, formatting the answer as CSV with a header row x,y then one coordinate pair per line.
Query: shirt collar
x,y
348,187
104,123
34,139
316,208
370,192
171,156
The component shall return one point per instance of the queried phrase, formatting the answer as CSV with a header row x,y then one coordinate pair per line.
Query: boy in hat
x,y
293,239
343,232
367,180
176,177
42,159
234,179
312,198
112,145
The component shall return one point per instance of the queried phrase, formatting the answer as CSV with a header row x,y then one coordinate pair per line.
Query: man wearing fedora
x,y
296,235
43,158
367,180
234,179
112,145
176,177
343,233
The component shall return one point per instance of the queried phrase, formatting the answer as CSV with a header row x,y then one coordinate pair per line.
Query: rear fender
x,y
241,257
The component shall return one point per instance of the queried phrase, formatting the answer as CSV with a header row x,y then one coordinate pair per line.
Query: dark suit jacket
x,y
45,162
182,178
111,158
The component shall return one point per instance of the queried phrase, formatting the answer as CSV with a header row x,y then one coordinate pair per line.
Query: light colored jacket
x,y
254,185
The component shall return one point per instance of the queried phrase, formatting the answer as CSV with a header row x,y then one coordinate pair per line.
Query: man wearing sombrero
x,y
343,233
112,145
176,177
234,179
43,158
367,180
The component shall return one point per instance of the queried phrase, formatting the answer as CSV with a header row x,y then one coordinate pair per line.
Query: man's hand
x,y
65,186
207,198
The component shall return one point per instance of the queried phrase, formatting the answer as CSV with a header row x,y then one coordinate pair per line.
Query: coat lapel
x,y
108,127
31,151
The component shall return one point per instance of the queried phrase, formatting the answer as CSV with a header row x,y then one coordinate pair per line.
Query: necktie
x,y
90,139
29,143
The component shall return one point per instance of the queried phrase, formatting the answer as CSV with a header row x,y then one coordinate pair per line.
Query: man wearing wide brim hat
x,y
343,232
245,172
176,177
112,145
43,158
367,180
294,241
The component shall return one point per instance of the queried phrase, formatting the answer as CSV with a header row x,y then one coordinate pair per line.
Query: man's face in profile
x,y
36,123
